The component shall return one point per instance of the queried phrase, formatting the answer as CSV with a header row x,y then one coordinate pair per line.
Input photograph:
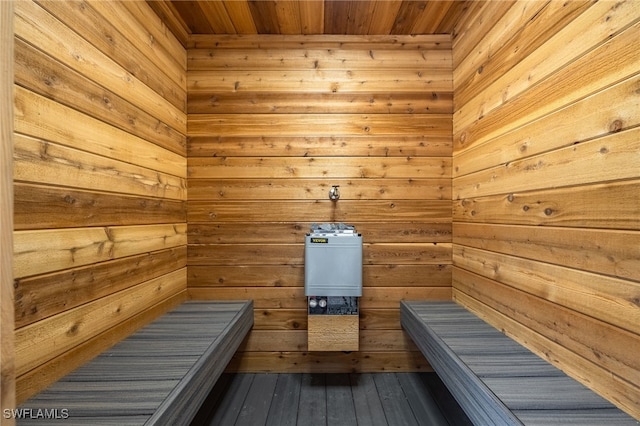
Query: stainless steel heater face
x,y
333,264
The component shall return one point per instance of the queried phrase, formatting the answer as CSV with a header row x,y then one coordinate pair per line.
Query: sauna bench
x,y
160,375
495,379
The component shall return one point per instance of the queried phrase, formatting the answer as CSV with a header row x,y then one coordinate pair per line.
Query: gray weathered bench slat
x,y
159,375
495,379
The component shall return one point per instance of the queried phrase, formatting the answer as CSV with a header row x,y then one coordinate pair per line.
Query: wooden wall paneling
x,y
602,251
43,206
271,128
166,13
556,74
296,319
584,206
327,362
347,103
7,357
599,296
55,335
42,376
439,275
39,28
146,32
545,220
277,58
358,189
319,167
292,341
308,81
293,254
370,211
538,22
152,28
611,158
42,162
313,146
43,251
473,25
100,180
40,117
280,319
320,41
617,389
46,295
54,80
93,22
293,232
596,113
320,124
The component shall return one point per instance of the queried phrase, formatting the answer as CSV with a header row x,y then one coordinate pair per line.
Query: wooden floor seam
x,y
308,399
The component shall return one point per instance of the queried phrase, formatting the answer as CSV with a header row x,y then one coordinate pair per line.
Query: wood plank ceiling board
x,y
294,17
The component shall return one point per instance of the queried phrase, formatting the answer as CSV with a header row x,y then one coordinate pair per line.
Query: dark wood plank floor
x,y
376,399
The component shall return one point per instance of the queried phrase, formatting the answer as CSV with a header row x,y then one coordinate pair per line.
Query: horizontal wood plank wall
x,y
99,177
546,184
273,124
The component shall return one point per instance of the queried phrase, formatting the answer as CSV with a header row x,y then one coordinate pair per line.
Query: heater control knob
x,y
313,303
322,303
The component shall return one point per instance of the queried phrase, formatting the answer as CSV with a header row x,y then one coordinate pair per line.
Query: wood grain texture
x,y
598,116
383,275
320,146
51,78
358,189
7,356
39,28
46,206
272,125
545,211
320,59
313,17
328,362
48,250
44,340
331,333
39,378
100,180
42,296
317,41
606,61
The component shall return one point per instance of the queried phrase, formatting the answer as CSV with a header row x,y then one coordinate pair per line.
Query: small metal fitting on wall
x,y
334,194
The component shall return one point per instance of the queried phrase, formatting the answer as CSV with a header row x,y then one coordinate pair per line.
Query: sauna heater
x,y
333,286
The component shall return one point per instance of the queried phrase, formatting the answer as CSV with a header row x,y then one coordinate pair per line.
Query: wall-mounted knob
x,y
334,194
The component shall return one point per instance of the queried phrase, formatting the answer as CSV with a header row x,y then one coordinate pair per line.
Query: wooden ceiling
x,y
295,17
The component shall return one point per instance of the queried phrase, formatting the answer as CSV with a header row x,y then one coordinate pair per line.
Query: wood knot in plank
x,y
615,126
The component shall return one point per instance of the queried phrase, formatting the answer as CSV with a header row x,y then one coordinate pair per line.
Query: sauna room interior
x,y
487,151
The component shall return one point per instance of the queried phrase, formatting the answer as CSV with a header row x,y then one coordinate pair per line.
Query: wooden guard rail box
x,y
495,379
159,375
333,333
